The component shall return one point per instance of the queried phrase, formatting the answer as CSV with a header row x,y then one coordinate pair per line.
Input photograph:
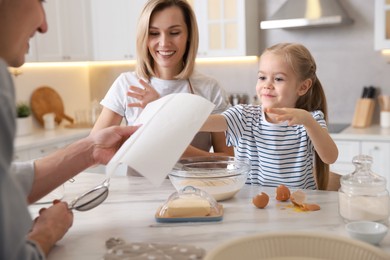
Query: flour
x,y
219,189
364,208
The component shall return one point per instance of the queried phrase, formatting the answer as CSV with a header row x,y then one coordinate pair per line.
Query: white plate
x,y
295,245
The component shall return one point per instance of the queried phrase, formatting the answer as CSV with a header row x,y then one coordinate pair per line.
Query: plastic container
x,y
363,194
190,205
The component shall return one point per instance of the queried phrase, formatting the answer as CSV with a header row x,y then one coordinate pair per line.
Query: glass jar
x,y
363,194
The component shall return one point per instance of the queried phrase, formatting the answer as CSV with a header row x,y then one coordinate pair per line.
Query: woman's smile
x,y
165,54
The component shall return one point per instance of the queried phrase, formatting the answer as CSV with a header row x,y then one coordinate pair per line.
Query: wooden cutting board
x,y
46,100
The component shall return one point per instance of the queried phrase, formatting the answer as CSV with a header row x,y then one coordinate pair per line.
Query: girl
x,y
286,137
167,43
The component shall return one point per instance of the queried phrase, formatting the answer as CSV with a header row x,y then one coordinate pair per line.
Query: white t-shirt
x,y
279,154
116,98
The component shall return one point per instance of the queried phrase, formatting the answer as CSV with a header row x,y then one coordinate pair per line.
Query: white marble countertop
x,y
372,133
41,137
130,208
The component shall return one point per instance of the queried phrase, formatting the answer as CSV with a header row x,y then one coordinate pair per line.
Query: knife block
x,y
364,112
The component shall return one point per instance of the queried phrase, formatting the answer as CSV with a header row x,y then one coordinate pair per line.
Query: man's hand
x,y
51,225
107,142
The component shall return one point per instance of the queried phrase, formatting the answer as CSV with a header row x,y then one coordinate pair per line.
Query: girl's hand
x,y
144,95
322,141
293,116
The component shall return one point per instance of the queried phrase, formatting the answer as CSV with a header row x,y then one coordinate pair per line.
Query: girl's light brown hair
x,y
304,67
145,62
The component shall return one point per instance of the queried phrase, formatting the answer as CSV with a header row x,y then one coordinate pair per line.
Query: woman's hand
x,y
144,95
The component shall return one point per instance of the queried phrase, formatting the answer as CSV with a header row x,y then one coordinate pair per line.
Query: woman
x,y
167,43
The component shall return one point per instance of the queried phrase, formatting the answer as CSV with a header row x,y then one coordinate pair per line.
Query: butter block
x,y
188,207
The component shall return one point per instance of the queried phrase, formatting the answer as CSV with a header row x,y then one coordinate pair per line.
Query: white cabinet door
x,y
21,156
114,28
41,151
347,150
382,24
68,37
31,55
378,150
380,153
44,150
227,27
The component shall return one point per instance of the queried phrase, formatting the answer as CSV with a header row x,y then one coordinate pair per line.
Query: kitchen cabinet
x,y
83,30
379,150
40,151
69,32
114,28
382,24
23,155
42,142
47,149
347,150
227,27
31,55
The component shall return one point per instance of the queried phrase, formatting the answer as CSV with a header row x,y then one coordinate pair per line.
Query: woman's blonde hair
x,y
145,62
304,67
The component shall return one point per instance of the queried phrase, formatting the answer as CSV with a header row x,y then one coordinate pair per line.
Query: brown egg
x,y
282,193
261,200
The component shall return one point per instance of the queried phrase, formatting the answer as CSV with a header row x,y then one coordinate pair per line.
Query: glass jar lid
x,y
363,177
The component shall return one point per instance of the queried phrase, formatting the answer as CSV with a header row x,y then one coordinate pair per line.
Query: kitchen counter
x,y
130,208
42,137
372,133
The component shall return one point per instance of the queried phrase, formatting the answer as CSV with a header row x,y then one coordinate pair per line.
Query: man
x,y
24,183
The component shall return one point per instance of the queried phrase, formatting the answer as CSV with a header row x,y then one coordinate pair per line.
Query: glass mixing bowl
x,y
220,176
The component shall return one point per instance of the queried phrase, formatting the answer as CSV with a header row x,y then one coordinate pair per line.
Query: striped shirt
x,y
279,154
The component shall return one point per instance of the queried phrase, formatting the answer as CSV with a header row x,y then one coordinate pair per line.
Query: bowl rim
x,y
353,227
182,168
213,253
201,175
